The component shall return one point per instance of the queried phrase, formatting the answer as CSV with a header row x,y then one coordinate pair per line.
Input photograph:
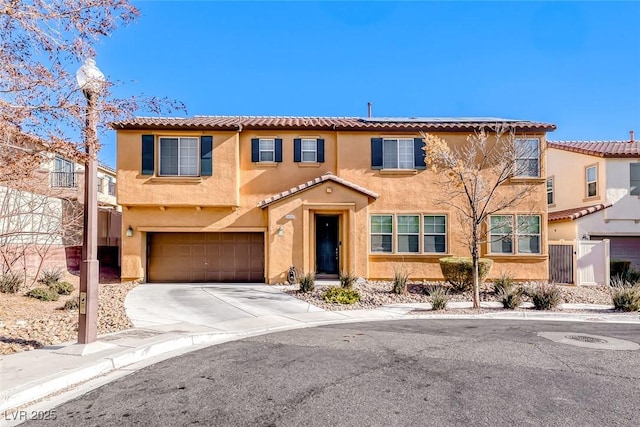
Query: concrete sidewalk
x,y
172,319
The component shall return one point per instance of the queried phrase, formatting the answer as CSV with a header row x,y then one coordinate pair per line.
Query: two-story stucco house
x,y
244,198
593,192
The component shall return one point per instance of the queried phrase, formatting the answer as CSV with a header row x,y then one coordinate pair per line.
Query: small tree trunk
x,y
476,276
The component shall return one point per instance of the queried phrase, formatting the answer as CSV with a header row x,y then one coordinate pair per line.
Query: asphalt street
x,y
399,373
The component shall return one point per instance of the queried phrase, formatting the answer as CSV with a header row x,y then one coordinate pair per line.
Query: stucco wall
x,y
227,201
569,178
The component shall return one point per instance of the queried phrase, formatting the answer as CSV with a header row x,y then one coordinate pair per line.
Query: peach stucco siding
x,y
227,201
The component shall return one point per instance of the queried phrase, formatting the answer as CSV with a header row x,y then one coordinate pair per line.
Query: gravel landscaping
x,y
378,293
27,323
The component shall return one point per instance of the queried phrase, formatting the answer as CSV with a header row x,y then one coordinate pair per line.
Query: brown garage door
x,y
625,248
205,257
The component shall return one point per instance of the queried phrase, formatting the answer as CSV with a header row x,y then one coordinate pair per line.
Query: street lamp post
x,y
91,82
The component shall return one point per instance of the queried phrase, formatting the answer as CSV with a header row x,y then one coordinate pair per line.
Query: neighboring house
x,y
244,198
41,212
593,193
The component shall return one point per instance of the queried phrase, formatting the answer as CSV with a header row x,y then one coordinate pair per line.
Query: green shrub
x,y
341,295
48,277
624,297
71,304
400,280
439,298
43,294
503,284
10,283
511,298
459,271
545,297
347,279
307,282
62,288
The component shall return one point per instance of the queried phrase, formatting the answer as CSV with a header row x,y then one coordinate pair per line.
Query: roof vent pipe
x,y
369,109
632,133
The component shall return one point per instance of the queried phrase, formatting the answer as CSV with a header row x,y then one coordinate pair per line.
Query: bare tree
x,y
42,44
476,178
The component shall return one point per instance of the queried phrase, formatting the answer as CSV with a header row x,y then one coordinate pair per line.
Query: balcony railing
x,y
64,179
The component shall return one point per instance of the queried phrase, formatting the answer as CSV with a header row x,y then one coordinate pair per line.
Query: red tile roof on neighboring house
x,y
612,149
302,187
399,124
575,213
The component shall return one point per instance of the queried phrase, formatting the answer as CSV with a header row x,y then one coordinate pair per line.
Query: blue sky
x,y
575,64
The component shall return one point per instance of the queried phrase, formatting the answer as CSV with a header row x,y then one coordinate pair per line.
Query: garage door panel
x,y
206,257
625,248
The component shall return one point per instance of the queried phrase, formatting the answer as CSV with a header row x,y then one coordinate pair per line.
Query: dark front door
x,y
327,244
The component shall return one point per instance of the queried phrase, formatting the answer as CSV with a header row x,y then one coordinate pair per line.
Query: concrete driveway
x,y
152,305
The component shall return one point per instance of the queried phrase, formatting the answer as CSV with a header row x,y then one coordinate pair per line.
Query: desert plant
x,y
307,282
347,279
400,280
43,294
545,297
10,283
503,284
618,267
439,298
71,304
626,299
510,298
459,271
62,288
341,295
48,277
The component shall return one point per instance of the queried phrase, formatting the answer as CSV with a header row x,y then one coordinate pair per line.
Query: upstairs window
x,y
634,179
179,156
550,200
527,162
266,150
63,174
592,181
308,150
397,153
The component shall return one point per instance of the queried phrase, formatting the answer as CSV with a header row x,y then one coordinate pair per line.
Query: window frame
x,y
424,233
401,234
272,150
515,235
634,182
551,191
411,142
594,182
371,233
518,157
303,151
179,138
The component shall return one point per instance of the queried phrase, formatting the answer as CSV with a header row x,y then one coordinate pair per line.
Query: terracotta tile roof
x,y
305,186
575,213
613,149
411,124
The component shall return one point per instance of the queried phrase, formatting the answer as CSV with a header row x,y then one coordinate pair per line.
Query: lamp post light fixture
x,y
91,81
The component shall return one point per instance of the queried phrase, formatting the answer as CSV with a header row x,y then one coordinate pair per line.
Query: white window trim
x,y
587,182
314,151
371,234
515,234
272,151
398,139
531,157
179,138
424,233
398,233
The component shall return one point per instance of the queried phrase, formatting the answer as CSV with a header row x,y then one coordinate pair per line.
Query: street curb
x,y
26,394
